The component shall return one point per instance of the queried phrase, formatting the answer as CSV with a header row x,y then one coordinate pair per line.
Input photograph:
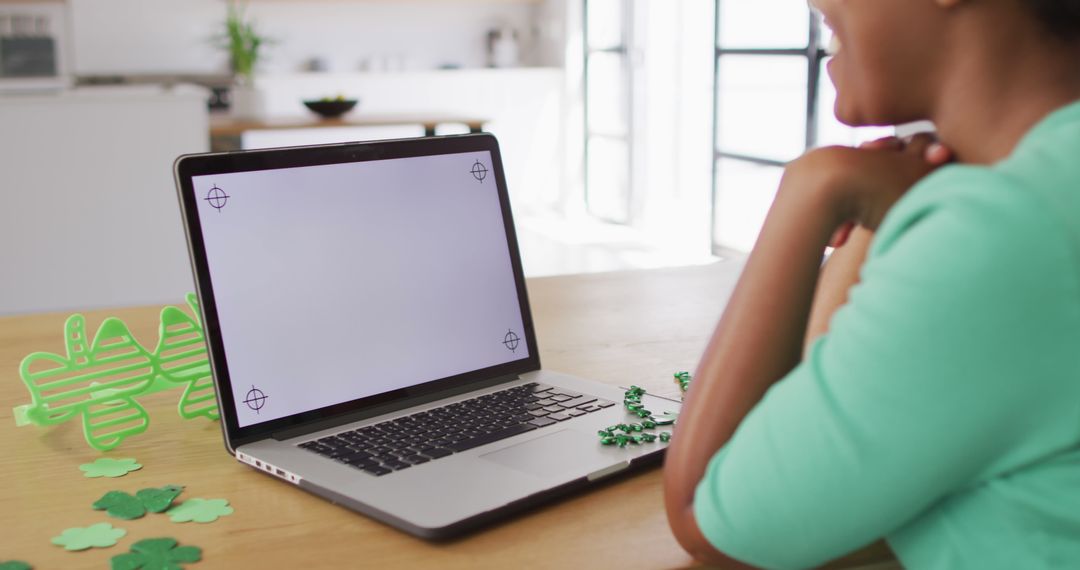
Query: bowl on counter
x,y
331,108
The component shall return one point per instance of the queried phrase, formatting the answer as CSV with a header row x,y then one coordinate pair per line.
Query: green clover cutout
x,y
108,467
156,554
100,535
158,500
200,510
15,565
120,505
181,358
94,379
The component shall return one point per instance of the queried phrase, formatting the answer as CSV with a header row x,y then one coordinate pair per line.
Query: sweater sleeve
x,y
929,381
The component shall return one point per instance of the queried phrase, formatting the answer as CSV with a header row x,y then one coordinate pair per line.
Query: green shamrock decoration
x,y
156,554
683,380
181,356
100,535
158,500
15,565
123,506
108,467
99,380
120,505
94,379
200,510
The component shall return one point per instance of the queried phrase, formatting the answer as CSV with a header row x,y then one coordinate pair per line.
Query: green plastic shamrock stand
x,y
98,380
15,565
181,358
100,535
156,554
95,380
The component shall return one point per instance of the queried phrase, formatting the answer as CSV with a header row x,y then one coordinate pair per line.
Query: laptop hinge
x,y
374,411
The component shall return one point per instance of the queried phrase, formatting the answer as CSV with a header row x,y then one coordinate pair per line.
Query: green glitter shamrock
x,y
634,433
15,565
200,510
158,500
100,535
108,467
683,380
120,505
156,554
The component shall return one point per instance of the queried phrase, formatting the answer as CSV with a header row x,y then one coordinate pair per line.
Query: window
x,y
773,102
608,108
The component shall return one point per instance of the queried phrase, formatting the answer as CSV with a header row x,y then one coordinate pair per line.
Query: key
x,y
541,422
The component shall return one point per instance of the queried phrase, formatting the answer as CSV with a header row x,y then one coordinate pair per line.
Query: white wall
x,y
175,36
524,108
90,216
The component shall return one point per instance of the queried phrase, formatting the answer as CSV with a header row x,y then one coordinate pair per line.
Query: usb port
x,y
280,472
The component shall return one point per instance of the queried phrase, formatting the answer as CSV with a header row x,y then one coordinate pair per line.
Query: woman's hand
x,y
924,145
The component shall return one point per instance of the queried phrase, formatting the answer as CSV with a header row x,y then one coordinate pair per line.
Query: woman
x,y
941,410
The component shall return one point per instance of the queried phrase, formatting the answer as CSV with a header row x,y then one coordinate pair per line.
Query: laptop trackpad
x,y
565,452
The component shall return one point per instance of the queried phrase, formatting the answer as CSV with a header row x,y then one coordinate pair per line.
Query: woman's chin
x,y
848,116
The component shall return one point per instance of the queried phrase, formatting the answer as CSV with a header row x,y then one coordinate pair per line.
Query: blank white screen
x,y
343,281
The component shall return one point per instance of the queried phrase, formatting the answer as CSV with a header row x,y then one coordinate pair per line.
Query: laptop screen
x,y
343,281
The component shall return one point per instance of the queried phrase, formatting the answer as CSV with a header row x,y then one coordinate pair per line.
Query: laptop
x,y
370,336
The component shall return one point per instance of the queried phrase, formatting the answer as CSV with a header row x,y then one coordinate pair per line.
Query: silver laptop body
x,y
370,335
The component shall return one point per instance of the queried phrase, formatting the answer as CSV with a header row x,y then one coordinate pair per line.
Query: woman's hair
x,y
1062,17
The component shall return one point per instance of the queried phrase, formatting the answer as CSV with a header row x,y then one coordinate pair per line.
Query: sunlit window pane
x,y
830,130
764,24
761,106
744,193
605,23
609,178
609,90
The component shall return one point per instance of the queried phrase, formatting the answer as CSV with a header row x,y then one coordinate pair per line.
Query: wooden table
x,y
620,328
226,131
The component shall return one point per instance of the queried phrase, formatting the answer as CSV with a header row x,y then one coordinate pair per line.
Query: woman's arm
x,y
760,338
839,274
758,341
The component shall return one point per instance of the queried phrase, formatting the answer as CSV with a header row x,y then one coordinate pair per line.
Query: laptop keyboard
x,y
433,434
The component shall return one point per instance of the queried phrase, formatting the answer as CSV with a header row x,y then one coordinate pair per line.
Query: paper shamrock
x,y
200,510
120,505
15,565
94,379
156,554
181,358
158,500
100,535
99,381
108,467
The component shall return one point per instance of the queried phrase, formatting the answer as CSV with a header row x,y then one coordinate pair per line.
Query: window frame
x,y
815,56
623,50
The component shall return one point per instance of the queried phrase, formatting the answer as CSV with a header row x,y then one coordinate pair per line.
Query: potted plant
x,y
243,44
